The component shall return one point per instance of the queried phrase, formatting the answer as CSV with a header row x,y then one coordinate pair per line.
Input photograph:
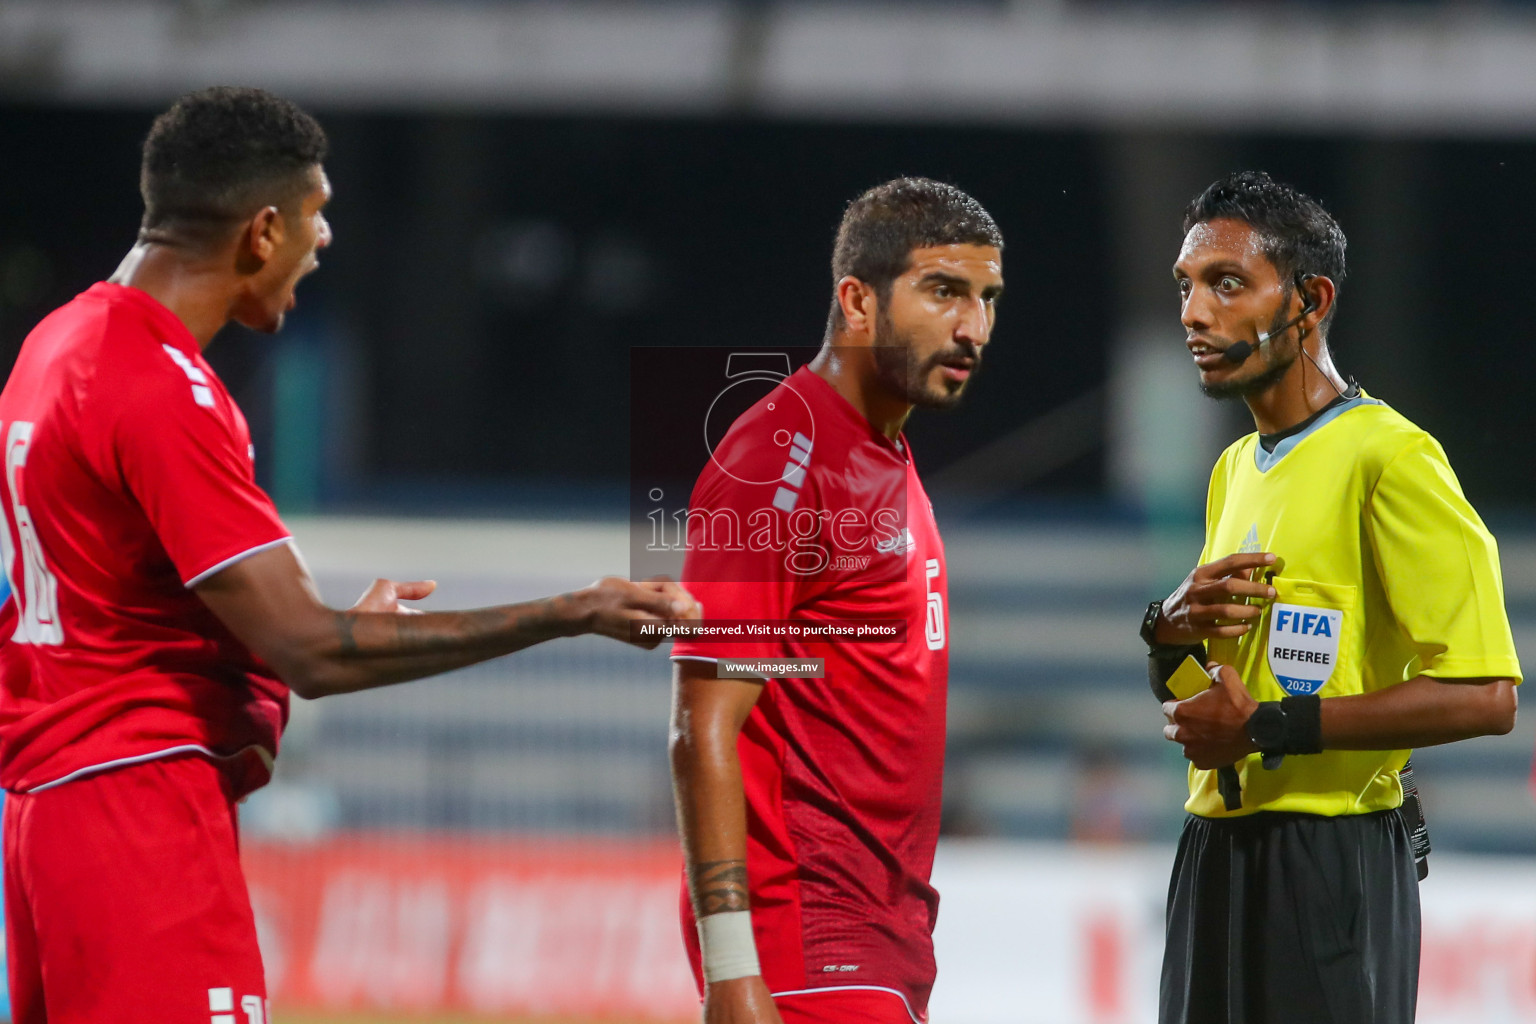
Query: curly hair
x,y
880,229
220,154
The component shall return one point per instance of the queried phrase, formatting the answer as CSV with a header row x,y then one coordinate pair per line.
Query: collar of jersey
x,y
897,448
1265,461
176,332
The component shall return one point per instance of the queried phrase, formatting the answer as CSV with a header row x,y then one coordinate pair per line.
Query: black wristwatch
x,y
1266,728
1149,624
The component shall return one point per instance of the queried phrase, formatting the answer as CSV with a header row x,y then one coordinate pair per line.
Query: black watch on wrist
x,y
1266,728
1149,624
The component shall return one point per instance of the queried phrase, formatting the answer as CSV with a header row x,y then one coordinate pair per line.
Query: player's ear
x,y
264,234
859,304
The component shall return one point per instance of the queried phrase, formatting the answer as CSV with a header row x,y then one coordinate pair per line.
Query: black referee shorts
x,y
1279,918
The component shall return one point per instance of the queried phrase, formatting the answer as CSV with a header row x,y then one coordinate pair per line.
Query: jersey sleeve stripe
x,y
232,559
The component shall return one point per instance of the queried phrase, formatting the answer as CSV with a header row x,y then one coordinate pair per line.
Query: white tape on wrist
x,y
728,946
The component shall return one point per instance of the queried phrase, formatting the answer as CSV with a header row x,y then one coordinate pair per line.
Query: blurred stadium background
x,y
525,191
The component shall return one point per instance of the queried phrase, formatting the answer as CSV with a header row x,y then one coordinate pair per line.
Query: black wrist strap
x,y
1164,660
1230,787
1303,725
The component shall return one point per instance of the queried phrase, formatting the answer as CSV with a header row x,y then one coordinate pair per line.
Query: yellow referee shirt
x,y
1386,573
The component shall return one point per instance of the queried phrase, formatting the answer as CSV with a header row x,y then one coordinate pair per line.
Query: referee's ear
x,y
1319,292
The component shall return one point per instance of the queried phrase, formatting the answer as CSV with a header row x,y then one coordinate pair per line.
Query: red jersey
x,y
128,479
843,774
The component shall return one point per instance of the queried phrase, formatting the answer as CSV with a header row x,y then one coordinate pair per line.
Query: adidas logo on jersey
x,y
902,543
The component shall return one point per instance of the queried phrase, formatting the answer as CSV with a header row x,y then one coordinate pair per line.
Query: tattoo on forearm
x,y
344,624
413,636
371,635
450,632
720,886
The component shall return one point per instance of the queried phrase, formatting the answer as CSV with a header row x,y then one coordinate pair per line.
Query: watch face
x,y
1267,727
1149,622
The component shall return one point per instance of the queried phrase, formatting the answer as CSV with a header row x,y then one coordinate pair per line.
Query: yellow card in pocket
x,y
1188,679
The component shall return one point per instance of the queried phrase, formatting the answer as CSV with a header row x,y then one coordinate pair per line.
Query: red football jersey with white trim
x,y
127,478
842,774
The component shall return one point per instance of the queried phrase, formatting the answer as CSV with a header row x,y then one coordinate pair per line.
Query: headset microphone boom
x,y
1238,353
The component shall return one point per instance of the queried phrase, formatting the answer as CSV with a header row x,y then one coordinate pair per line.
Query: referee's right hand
x,y
1208,604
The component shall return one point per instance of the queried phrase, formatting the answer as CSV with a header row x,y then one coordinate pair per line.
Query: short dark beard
x,y
900,369
1241,387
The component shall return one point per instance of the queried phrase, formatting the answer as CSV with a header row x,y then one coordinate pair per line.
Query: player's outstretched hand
x,y
1212,725
386,595
666,585
613,606
1208,603
739,1001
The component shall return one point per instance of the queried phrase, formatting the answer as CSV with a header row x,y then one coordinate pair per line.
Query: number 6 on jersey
x,y
933,630
37,592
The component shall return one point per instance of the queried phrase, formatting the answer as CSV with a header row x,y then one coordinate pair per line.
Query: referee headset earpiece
x,y
1309,307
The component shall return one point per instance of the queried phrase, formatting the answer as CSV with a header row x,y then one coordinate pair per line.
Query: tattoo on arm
x,y
443,633
448,632
413,636
720,886
344,624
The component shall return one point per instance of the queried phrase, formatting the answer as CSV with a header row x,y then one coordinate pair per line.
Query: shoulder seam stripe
x,y
202,394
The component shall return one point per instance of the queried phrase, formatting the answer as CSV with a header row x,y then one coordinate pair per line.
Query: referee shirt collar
x,y
1264,461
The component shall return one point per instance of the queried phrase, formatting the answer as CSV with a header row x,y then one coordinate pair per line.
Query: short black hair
x,y
1299,236
220,154
880,229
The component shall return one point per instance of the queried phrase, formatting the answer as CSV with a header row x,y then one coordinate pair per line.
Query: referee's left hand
x,y
1212,726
